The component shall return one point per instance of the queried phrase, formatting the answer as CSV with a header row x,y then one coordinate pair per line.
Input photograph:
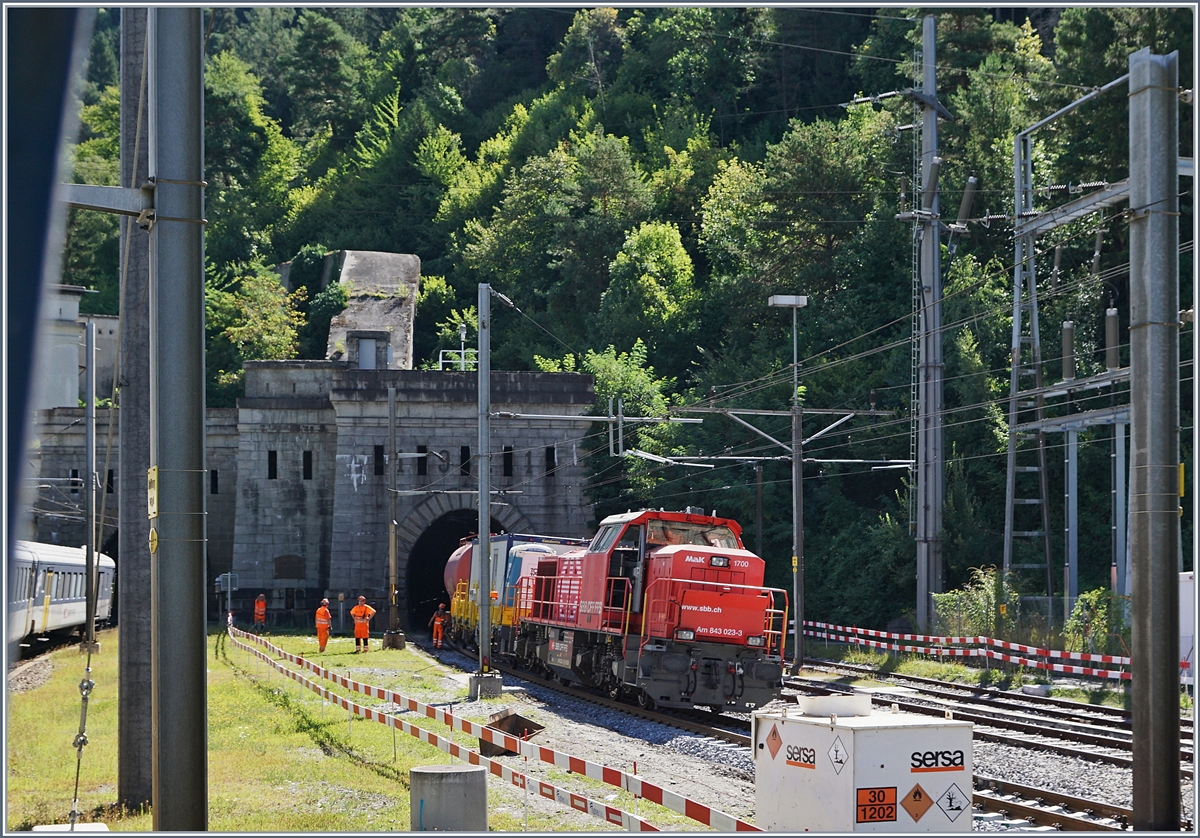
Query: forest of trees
x,y
639,182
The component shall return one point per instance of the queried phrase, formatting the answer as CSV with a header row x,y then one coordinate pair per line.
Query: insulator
x,y
1096,253
1112,346
968,198
1068,346
929,190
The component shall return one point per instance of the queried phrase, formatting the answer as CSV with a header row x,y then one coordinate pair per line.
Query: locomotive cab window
x,y
704,535
604,539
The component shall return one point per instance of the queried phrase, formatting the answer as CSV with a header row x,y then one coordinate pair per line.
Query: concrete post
x,y
931,473
177,577
134,760
448,798
1154,397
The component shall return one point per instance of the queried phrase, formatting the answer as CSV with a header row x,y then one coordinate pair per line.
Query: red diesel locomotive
x,y
668,608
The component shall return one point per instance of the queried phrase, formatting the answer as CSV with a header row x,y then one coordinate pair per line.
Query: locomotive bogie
x,y
668,674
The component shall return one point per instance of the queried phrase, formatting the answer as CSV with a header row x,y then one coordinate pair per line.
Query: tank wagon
x,y
666,608
46,589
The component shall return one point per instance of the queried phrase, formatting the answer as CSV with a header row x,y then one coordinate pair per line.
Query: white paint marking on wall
x,y
356,468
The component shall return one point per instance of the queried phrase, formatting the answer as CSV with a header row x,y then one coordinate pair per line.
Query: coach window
x,y
108,483
272,465
464,459
213,484
508,461
422,460
551,461
74,477
379,460
308,465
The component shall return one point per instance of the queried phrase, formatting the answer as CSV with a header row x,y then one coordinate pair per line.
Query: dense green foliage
x,y
638,182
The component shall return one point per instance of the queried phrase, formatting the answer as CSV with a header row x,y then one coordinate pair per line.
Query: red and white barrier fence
x,y
575,765
853,634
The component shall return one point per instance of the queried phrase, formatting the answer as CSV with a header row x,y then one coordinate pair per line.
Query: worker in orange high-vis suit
x,y
362,614
438,621
260,614
323,621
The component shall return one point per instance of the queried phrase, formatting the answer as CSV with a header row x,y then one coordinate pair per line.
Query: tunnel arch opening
x,y
427,561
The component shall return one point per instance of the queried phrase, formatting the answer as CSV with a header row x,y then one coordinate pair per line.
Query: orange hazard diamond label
x,y
774,741
916,802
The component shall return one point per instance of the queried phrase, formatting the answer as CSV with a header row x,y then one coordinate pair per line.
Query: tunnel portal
x,y
427,560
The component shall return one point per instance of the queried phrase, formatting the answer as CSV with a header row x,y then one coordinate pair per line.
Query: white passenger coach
x,y
47,590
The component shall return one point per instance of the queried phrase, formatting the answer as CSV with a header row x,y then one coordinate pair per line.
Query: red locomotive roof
x,y
663,515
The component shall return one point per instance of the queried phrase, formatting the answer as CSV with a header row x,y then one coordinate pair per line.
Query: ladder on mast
x,y
1027,484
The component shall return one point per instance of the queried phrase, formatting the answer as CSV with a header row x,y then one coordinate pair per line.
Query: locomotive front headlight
x,y
720,561
685,634
756,641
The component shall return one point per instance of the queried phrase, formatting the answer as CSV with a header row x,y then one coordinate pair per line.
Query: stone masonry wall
x,y
435,409
286,515
62,446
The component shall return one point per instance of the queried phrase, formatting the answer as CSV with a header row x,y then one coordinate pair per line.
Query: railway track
x,y
1010,802
1020,727
1042,807
1104,715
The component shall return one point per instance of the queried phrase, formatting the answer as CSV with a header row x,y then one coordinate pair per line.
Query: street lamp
x,y
462,346
795,303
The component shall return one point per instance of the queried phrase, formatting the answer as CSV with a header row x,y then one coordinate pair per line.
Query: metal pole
x,y
758,486
930,466
178,637
392,461
89,629
797,503
1121,513
1071,566
484,366
1154,399
134,758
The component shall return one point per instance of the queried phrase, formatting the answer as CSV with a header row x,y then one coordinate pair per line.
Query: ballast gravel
x,y
29,675
721,775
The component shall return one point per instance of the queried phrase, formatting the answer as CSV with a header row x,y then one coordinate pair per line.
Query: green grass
x,y
280,759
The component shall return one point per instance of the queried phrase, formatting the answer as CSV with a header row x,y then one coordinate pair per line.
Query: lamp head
x,y
787,301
